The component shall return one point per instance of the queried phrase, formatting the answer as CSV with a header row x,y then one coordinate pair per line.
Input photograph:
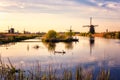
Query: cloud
x,y
55,4
18,5
78,8
109,4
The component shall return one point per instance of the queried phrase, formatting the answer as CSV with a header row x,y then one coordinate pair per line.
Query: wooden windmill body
x,y
70,32
91,27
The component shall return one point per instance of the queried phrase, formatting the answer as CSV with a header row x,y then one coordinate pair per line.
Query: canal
x,y
91,53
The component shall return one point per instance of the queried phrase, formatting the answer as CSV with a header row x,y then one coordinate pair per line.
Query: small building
x,y
106,30
11,30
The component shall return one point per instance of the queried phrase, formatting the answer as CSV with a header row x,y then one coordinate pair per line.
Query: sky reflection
x,y
87,50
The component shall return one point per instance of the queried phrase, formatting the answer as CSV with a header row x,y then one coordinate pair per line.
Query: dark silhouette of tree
x,y
51,34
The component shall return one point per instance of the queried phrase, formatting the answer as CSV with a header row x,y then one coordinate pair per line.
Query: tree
x,y
51,34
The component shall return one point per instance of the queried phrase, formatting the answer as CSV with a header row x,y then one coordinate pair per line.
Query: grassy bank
x,y
7,38
113,35
110,35
85,34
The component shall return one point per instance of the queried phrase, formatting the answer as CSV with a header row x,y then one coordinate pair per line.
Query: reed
x,y
9,72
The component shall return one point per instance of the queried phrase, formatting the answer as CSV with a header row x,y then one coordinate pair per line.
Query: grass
x,y
7,38
53,36
111,35
9,72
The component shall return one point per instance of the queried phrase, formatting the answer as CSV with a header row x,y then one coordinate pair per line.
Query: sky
x,y
44,15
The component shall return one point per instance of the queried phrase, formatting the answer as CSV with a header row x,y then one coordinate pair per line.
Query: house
x,y
11,30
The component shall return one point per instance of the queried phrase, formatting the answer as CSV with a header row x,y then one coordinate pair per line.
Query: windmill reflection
x,y
92,41
7,45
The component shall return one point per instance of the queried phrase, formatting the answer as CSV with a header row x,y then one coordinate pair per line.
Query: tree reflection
x,y
28,48
92,41
69,45
50,46
7,45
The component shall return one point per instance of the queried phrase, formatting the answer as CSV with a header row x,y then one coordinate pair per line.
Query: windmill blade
x,y
86,26
69,30
70,27
95,25
90,20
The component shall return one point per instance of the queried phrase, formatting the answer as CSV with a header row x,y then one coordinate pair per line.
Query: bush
x,y
51,34
117,35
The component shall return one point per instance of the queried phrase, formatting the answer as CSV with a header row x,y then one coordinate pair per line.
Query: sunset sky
x,y
43,15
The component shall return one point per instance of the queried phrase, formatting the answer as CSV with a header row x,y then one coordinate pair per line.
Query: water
x,y
97,52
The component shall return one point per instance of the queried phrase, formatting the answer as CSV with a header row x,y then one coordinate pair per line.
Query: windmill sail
x,y
95,25
92,29
86,26
90,20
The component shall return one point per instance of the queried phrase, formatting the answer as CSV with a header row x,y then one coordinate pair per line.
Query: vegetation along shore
x,y
7,38
53,36
9,72
109,35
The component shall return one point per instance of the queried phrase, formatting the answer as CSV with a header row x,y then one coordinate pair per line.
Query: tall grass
x,y
9,72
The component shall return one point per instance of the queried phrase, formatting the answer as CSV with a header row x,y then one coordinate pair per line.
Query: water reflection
x,y
28,48
7,45
50,46
92,41
36,47
60,52
107,50
69,45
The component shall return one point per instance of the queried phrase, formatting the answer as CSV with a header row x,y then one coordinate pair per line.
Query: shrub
x,y
51,34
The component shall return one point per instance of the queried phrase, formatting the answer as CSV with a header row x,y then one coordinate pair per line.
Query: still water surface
x,y
97,52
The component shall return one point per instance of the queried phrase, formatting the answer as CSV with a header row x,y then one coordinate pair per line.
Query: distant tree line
x,y
85,34
114,35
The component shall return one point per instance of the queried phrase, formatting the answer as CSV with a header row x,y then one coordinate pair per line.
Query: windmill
x,y
8,29
70,32
92,29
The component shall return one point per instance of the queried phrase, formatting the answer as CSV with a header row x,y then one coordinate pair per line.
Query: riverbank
x,y
7,38
109,35
61,40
